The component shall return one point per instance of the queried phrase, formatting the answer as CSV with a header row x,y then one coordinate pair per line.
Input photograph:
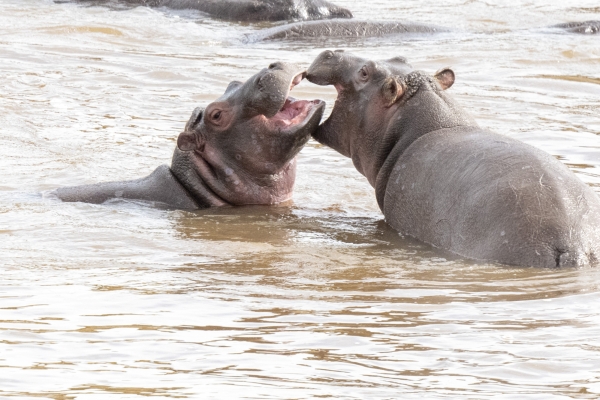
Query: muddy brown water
x,y
313,299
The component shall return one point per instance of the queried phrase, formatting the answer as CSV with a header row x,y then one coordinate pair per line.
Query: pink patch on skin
x,y
292,113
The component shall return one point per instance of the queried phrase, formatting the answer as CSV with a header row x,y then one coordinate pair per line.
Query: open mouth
x,y
293,111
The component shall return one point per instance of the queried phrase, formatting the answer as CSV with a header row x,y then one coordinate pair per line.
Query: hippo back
x,y
486,196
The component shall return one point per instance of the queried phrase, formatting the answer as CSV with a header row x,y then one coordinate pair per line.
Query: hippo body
x,y
584,27
247,10
240,150
442,179
338,28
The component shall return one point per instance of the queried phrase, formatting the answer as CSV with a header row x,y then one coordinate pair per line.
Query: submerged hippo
x,y
337,28
239,150
442,179
246,10
585,27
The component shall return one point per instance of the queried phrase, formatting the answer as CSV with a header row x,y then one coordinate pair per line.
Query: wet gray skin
x,y
342,28
584,27
244,10
442,179
240,150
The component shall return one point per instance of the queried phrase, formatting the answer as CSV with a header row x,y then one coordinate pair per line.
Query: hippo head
x,y
372,97
241,148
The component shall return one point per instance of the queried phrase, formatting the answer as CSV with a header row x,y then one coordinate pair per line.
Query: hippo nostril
x,y
274,65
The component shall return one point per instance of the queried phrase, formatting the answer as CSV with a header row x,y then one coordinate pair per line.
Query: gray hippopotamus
x,y
239,150
585,27
247,10
337,28
442,179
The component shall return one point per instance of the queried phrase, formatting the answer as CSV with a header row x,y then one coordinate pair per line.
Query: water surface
x,y
318,298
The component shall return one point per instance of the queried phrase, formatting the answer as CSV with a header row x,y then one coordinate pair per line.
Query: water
x,y
313,299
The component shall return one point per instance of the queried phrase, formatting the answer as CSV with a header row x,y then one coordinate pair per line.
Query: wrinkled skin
x,y
245,10
338,28
240,150
584,27
442,179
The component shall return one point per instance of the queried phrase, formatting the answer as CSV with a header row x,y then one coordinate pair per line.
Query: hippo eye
x,y
328,54
216,115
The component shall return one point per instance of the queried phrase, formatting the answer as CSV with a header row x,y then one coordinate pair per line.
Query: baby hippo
x,y
240,150
442,179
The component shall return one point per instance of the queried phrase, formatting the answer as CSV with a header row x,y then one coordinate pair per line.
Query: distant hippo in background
x,y
585,27
338,28
245,10
239,150
442,179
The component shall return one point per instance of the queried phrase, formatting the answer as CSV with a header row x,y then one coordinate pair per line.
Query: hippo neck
x,y
425,108
183,167
213,183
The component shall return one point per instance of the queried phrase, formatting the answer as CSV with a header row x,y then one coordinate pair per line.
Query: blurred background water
x,y
315,299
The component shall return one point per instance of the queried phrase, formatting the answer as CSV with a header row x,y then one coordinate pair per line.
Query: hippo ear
x,y
392,91
445,78
189,141
232,86
194,119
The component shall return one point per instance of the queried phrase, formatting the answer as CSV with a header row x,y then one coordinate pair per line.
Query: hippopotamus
x,y
238,150
444,180
585,27
341,28
248,10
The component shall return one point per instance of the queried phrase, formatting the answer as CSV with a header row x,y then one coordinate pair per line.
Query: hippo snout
x,y
324,70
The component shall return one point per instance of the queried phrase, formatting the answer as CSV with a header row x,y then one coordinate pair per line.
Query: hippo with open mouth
x,y
442,179
239,150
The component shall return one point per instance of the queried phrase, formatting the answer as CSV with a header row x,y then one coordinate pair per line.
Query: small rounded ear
x,y
189,141
445,78
194,119
233,85
392,91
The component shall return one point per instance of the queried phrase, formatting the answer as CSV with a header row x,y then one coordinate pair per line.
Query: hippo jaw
x,y
284,121
294,116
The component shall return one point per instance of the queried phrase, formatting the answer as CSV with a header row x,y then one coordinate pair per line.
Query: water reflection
x,y
293,248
